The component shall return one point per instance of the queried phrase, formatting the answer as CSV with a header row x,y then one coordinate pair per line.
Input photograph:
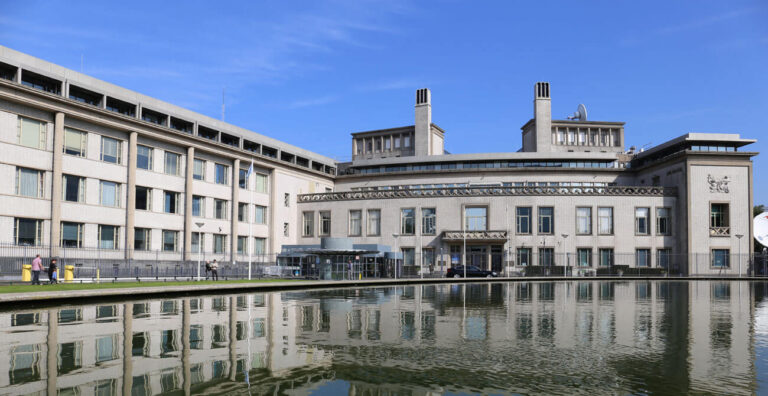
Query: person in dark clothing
x,y
53,276
215,270
207,269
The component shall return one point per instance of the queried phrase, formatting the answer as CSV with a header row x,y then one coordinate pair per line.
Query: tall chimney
x,y
542,114
422,130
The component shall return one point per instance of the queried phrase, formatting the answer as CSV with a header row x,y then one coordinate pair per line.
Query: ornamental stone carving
x,y
650,191
474,235
718,185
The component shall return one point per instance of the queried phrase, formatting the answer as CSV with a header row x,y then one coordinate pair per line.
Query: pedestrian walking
x,y
215,270
53,276
207,268
37,266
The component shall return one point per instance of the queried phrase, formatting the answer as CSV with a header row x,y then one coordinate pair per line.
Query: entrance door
x,y
497,258
477,256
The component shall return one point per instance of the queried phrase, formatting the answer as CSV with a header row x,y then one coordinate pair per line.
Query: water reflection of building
x,y
696,335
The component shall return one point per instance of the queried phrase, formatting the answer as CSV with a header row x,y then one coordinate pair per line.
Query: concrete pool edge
x,y
14,299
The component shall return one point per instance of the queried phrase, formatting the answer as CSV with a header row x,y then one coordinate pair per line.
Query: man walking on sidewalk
x,y
215,270
37,266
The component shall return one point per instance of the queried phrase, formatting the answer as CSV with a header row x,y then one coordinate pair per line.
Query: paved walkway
x,y
11,299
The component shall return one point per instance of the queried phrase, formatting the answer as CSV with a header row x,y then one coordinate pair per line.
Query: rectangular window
x,y
170,240
663,221
71,235
74,188
109,193
584,221
143,198
428,221
242,178
261,214
261,183
374,222
171,202
172,161
287,200
29,182
523,220
108,237
198,172
32,133
663,257
144,156
219,243
220,209
286,230
220,174
584,257
409,256
197,206
242,245
721,258
407,141
606,257
74,142
475,218
605,221
524,256
407,221
111,150
325,223
642,258
546,257
28,232
355,222
142,238
719,224
259,245
546,220
641,221
197,240
242,212
308,224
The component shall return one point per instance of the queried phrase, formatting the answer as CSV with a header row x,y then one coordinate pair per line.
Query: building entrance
x,y
485,257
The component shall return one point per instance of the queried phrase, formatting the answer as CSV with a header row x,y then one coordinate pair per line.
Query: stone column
x,y
127,348
235,201
232,338
56,188
188,190
52,342
185,348
130,205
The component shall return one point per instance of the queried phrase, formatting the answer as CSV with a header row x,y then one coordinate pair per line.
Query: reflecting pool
x,y
580,337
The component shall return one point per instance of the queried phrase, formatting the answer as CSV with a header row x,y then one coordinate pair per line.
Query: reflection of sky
x,y
475,328
761,345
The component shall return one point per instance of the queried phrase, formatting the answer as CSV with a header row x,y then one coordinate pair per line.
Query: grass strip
x,y
22,288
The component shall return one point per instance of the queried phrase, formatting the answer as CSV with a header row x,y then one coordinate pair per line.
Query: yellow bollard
x,y
98,277
69,273
26,273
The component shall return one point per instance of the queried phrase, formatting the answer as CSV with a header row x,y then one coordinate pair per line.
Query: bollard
x,y
26,273
98,277
69,273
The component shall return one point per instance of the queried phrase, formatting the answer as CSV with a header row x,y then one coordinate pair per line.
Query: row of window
x,y
382,143
496,184
476,219
30,232
586,136
483,165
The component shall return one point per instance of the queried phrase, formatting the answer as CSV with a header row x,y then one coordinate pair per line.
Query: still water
x,y
592,337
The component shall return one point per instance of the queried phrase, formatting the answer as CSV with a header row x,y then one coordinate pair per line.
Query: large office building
x,y
96,169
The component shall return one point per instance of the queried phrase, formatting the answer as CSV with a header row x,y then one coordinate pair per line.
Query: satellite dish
x,y
580,114
760,228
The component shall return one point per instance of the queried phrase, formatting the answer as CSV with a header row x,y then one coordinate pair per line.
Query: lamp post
x,y
565,251
199,247
738,259
397,250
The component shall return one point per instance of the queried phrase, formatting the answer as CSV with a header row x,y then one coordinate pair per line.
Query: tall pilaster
x,y
52,345
56,185
127,348
235,201
188,191
130,205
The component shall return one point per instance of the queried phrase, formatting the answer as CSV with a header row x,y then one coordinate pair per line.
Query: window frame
x,y
38,231
117,194
175,195
589,220
429,221
588,253
539,223
150,157
666,230
323,222
79,240
201,206
80,188
308,224
175,240
404,219
40,184
223,215
262,183
242,215
712,254
668,253
611,219
119,149
225,168
115,237
171,155
351,231
647,221
42,133
368,222
147,232
648,257
466,218
612,256
83,151
148,207
550,254
519,253
263,210
519,217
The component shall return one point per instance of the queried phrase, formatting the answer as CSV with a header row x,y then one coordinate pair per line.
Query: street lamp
x,y
397,250
738,259
565,251
199,247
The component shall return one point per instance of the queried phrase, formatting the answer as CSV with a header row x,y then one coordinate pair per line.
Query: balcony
x,y
719,231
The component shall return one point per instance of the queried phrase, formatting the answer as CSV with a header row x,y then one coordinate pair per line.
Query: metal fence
x,y
111,263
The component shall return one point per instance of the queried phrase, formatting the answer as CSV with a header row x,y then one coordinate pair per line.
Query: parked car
x,y
472,272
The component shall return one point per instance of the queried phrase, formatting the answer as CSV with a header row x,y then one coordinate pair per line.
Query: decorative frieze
x,y
651,191
718,185
474,235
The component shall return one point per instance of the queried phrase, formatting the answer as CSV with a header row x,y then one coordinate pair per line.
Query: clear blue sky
x,y
309,73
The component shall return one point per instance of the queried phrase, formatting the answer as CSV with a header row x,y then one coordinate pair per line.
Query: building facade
x,y
96,171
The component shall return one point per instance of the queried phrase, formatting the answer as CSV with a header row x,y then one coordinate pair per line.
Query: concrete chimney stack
x,y
422,131
542,114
